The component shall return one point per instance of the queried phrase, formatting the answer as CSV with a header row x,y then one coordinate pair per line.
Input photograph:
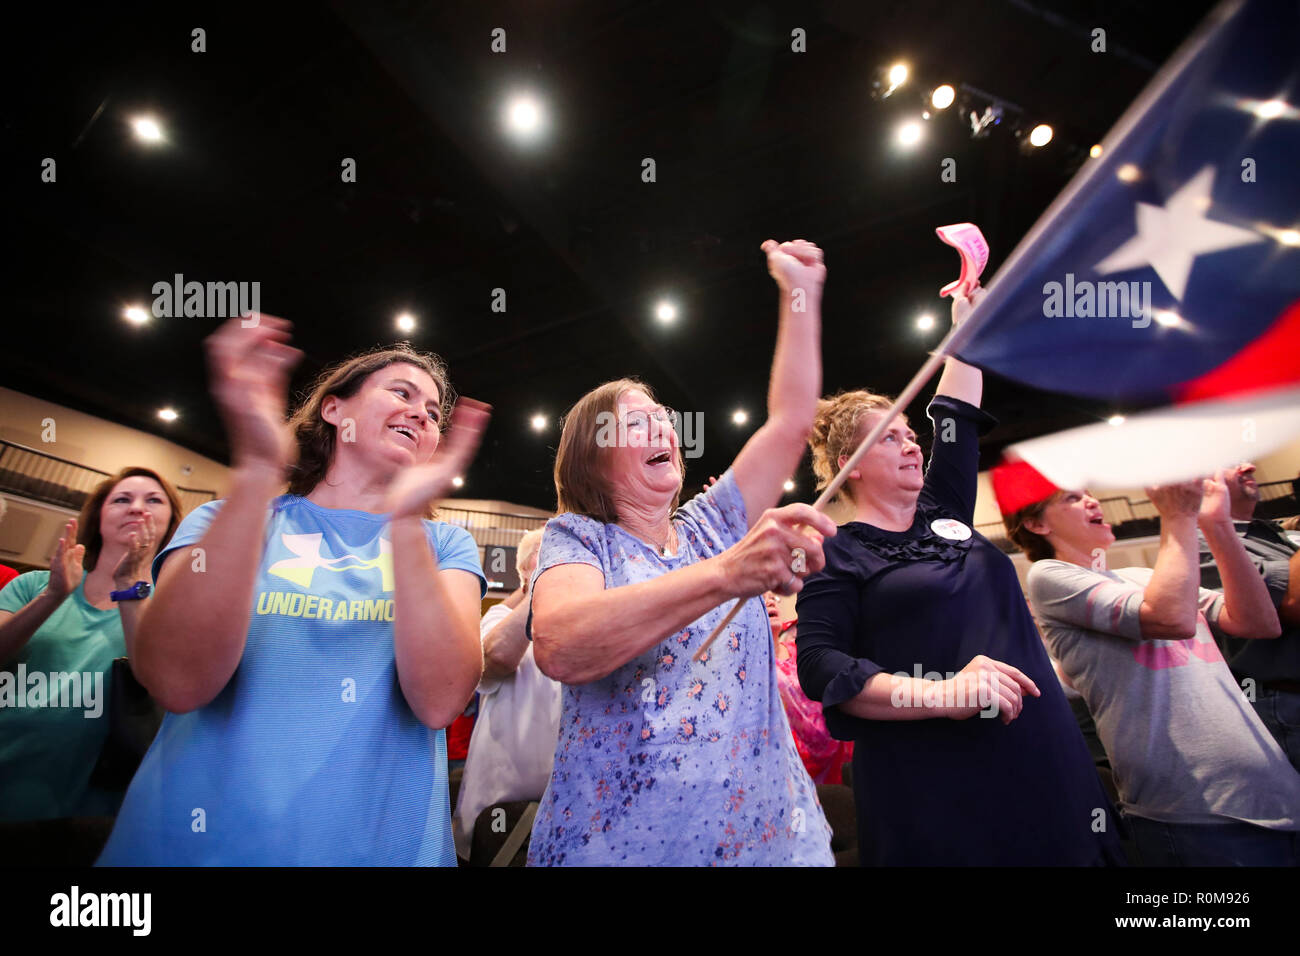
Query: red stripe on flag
x,y
1270,361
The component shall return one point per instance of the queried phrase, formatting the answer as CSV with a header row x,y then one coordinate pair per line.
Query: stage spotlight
x,y
168,414
135,315
1270,109
406,322
925,322
666,312
1095,151
524,117
897,75
1040,135
739,416
147,129
909,134
942,97
538,422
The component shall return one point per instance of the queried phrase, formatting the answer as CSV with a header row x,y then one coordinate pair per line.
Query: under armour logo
x,y
301,569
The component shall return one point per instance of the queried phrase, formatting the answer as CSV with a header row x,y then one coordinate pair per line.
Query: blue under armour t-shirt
x,y
310,755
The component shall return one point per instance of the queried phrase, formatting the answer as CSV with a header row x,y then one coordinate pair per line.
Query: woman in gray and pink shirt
x,y
1201,781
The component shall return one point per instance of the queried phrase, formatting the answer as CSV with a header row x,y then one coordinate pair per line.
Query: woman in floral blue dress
x,y
662,760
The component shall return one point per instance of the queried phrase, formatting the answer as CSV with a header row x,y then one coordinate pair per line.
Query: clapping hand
x,y
249,368
418,485
135,562
65,567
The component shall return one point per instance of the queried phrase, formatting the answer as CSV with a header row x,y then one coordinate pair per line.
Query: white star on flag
x,y
1170,237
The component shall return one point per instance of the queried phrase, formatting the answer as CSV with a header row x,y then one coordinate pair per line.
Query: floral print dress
x,y
667,761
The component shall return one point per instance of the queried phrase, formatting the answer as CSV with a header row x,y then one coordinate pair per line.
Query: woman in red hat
x,y
917,641
1201,780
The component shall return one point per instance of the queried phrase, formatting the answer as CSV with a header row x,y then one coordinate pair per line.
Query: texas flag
x,y
1169,269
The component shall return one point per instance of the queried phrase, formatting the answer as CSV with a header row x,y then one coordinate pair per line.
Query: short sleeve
x,y
1211,605
571,539
568,539
720,510
494,616
1276,571
190,531
18,593
456,550
953,475
1064,593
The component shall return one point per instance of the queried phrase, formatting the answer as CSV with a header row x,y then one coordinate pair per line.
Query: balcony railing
x,y
38,476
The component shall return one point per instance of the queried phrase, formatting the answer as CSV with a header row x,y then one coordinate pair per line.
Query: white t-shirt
x,y
512,747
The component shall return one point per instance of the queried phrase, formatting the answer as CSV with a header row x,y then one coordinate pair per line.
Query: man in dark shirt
x,y
1269,671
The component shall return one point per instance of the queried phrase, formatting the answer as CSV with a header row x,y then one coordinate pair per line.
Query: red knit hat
x,y
1018,484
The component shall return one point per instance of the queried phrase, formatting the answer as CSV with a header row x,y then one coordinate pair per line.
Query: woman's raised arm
x,y
773,452
191,636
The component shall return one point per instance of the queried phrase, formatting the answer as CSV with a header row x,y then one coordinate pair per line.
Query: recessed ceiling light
x,y
942,97
458,481
538,422
740,416
147,129
925,322
168,414
135,314
406,322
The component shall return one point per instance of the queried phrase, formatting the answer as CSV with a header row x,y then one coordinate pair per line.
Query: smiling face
x,y
1073,522
126,505
391,421
644,468
893,465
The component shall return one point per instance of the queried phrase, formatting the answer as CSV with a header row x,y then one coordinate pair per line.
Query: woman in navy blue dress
x,y
918,642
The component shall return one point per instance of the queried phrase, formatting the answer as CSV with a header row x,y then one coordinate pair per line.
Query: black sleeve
x,y
828,626
952,477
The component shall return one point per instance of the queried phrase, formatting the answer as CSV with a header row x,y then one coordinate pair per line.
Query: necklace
x,y
664,552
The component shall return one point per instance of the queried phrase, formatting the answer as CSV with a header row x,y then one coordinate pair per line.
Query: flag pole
x,y
957,336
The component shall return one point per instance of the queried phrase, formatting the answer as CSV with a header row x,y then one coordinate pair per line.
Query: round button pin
x,y
950,528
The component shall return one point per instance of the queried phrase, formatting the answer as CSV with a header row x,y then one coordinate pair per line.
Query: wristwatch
x,y
141,589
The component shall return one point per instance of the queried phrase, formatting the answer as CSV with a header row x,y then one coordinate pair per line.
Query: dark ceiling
x,y
750,140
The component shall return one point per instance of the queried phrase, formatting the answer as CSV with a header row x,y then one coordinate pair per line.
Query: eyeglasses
x,y
638,419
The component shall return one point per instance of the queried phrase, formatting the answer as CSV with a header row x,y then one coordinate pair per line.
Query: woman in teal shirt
x,y
59,633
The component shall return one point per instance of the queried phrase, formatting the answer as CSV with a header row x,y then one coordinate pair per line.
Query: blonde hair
x,y
529,545
835,431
